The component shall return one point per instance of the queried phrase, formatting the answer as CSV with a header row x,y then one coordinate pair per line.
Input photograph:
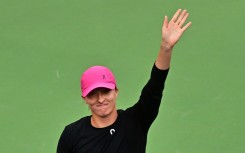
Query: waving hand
x,y
171,32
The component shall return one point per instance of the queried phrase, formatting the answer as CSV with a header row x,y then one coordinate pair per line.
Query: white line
x,y
57,74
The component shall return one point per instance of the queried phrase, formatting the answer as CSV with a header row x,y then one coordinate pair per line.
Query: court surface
x,y
46,45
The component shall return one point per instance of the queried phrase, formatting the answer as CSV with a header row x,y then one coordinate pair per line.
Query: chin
x,y
104,113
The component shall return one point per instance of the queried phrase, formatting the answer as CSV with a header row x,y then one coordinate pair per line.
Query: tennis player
x,y
109,130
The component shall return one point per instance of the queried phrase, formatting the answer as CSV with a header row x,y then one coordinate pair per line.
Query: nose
x,y
101,97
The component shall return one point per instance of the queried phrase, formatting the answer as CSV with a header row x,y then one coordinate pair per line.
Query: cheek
x,y
90,103
111,100
113,96
112,103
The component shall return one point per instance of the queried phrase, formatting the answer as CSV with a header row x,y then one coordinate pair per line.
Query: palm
x,y
173,30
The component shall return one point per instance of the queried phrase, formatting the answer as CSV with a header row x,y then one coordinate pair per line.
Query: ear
x,y
116,91
84,99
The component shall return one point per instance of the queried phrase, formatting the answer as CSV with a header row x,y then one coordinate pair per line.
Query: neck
x,y
101,122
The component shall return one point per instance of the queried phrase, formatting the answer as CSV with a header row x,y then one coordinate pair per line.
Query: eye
x,y
105,90
91,94
94,92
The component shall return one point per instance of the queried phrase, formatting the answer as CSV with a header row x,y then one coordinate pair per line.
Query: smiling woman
x,y
109,130
99,91
102,103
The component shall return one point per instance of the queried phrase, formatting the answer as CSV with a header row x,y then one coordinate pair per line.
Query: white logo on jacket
x,y
112,131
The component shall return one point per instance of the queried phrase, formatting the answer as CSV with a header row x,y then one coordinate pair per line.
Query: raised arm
x,y
171,32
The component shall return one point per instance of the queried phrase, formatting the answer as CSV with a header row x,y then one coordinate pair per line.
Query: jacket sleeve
x,y
147,107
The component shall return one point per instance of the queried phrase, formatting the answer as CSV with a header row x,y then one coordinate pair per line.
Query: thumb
x,y
165,22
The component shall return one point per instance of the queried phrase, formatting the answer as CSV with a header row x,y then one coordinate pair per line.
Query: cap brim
x,y
98,85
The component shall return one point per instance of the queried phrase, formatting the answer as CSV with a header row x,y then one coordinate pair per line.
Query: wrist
x,y
166,46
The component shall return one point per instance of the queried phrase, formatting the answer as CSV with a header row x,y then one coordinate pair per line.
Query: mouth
x,y
102,106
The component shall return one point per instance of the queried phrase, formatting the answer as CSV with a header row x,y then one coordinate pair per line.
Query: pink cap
x,y
95,77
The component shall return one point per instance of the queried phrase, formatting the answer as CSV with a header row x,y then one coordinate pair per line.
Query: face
x,y
102,101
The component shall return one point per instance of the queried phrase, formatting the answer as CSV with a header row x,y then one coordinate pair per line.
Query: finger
x,y
182,15
165,23
174,18
186,26
183,20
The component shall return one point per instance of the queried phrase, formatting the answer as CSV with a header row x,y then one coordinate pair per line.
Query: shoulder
x,y
78,125
70,132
